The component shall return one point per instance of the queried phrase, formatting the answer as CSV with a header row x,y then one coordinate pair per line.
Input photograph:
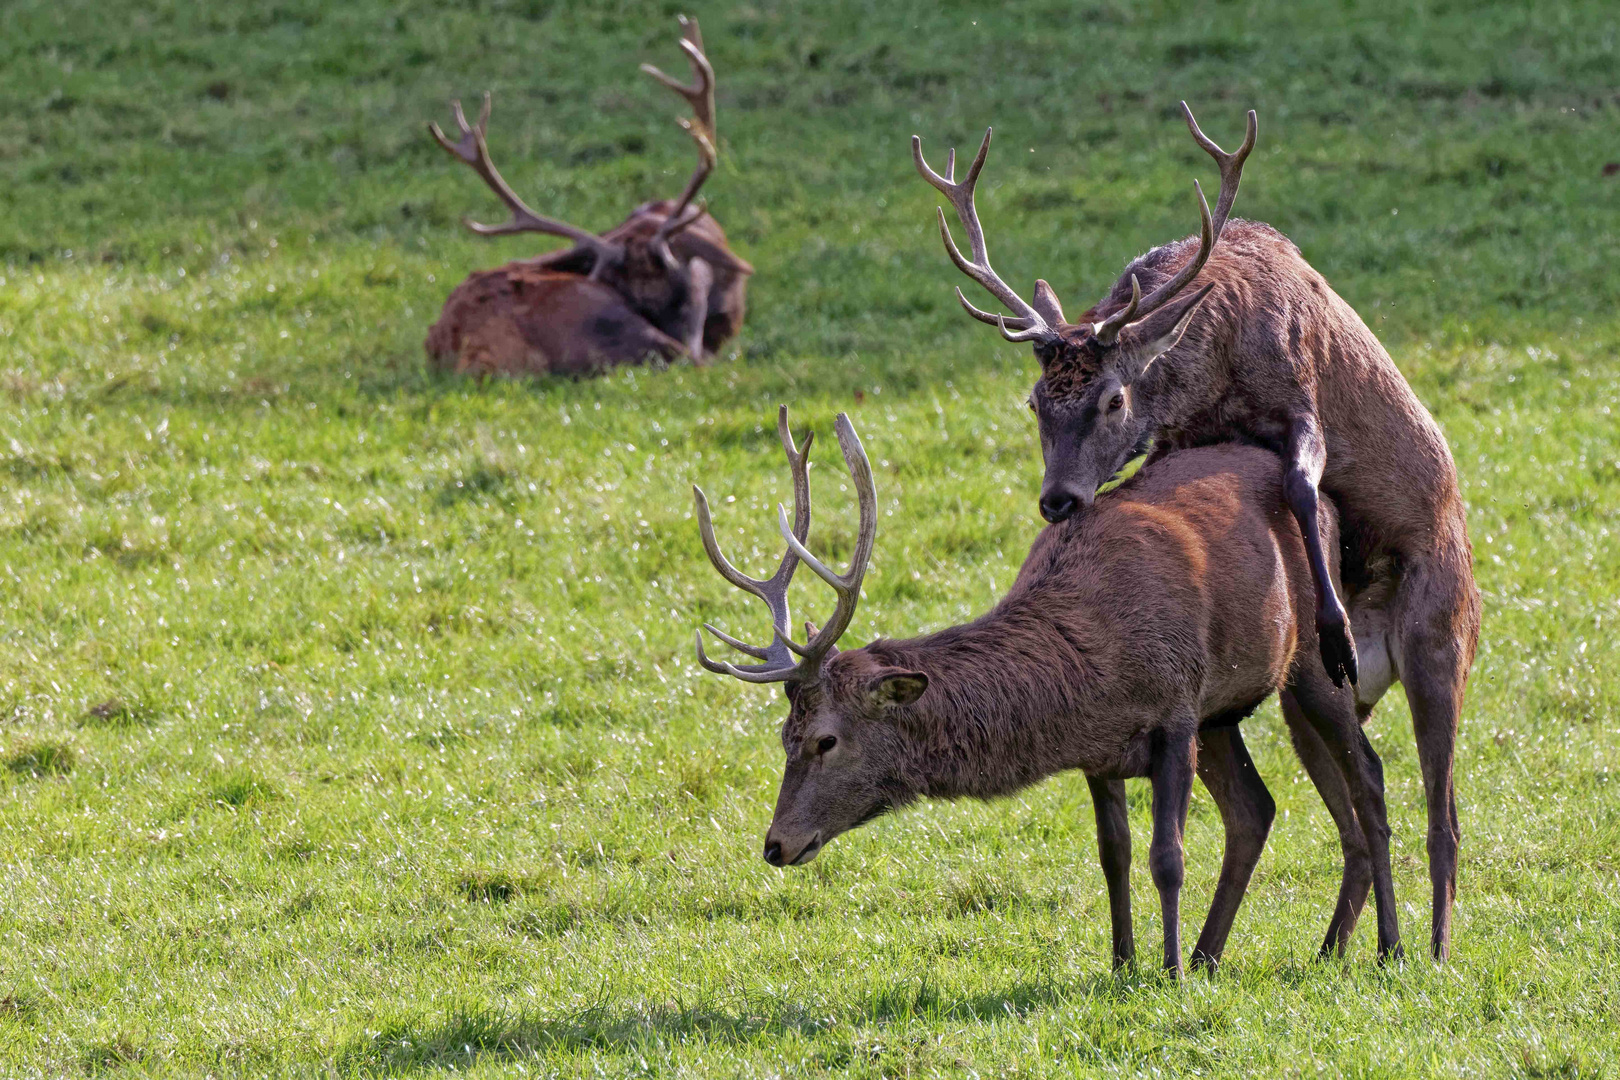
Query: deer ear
x,y
897,688
1046,302
1143,353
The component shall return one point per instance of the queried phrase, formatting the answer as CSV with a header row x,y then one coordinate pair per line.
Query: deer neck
x,y
999,692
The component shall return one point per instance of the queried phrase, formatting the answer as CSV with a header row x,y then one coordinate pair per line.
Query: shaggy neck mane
x,y
986,725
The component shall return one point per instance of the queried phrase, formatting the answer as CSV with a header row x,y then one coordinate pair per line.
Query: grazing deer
x,y
1181,603
661,283
1266,352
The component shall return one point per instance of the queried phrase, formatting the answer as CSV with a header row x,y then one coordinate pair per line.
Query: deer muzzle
x,y
1059,502
793,851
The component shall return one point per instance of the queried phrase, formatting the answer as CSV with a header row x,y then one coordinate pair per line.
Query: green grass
x,y
348,718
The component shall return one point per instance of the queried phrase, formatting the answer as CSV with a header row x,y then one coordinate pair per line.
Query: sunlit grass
x,y
348,719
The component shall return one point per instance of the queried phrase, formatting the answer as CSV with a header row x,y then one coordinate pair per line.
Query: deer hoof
x,y
1338,648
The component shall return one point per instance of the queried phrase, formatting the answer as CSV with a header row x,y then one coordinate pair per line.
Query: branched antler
x,y
1027,323
700,96
784,658
1231,167
472,148
774,589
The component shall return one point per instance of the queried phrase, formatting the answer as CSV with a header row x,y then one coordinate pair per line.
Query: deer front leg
x,y
1307,454
1114,849
1172,777
695,312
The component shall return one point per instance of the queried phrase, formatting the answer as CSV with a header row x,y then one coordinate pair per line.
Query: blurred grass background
x,y
348,721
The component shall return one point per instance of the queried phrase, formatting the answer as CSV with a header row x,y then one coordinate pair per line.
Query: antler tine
x,y
690,31
682,222
799,463
1230,165
847,586
772,590
1034,333
978,313
678,219
1108,330
472,149
755,673
778,655
700,96
710,545
1026,318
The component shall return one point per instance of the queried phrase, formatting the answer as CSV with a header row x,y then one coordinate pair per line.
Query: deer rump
x,y
547,315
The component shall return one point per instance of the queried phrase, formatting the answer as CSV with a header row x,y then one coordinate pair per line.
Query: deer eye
x,y
1117,402
826,744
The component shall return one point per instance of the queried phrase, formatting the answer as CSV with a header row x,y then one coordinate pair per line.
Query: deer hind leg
x,y
1328,778
1247,810
1331,712
1437,604
1114,849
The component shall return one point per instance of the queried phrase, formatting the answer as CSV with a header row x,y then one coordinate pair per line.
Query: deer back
x,y
1272,341
1183,593
1193,572
519,319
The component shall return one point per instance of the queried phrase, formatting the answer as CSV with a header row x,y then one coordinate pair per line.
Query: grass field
x,y
348,719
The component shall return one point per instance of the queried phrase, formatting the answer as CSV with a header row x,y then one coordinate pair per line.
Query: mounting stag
x,y
1133,641
662,283
1266,352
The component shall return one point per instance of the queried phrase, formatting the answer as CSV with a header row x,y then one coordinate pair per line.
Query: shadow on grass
x,y
463,1037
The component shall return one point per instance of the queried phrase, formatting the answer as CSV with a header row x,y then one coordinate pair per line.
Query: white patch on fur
x,y
1377,654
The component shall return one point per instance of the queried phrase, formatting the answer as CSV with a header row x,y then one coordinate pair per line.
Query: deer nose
x,y
773,852
1058,506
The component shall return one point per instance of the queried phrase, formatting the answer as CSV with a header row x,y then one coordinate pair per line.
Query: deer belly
x,y
1250,648
1377,653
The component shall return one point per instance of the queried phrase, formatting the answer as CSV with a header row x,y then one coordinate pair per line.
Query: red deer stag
x,y
661,283
1181,604
1266,352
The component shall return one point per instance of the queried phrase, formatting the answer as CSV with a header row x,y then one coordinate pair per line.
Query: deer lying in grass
x,y
1266,352
662,283
1179,604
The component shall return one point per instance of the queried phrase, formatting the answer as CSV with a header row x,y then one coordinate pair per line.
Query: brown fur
x,y
550,315
1181,600
1275,357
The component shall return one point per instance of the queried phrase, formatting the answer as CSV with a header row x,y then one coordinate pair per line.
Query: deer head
x,y
641,266
1091,422
846,753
